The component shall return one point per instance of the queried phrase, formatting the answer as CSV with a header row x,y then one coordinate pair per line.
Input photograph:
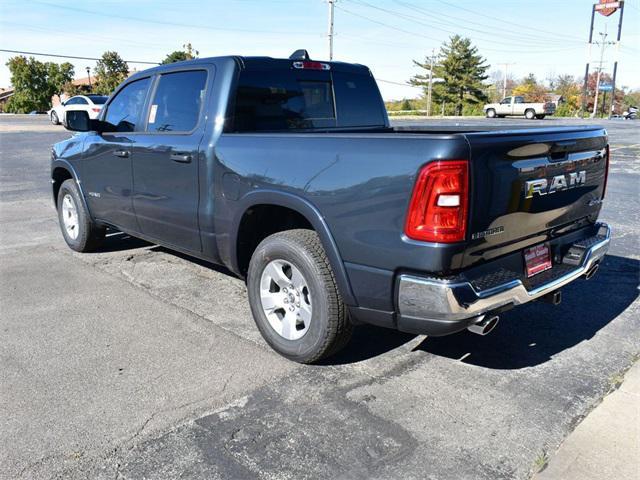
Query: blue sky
x,y
546,37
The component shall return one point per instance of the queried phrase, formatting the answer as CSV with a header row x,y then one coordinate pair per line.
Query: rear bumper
x,y
439,306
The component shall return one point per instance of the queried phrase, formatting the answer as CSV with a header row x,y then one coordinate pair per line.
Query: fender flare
x,y
315,218
62,163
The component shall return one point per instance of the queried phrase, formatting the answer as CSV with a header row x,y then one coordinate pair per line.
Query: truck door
x,y
106,165
166,157
518,106
505,107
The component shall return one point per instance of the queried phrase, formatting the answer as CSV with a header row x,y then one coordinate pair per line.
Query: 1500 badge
x,y
542,186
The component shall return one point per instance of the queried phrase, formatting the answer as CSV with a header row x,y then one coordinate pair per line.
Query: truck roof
x,y
257,63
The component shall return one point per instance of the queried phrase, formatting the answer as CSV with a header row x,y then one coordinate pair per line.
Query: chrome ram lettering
x,y
542,186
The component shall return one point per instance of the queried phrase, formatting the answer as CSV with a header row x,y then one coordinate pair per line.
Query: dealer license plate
x,y
537,259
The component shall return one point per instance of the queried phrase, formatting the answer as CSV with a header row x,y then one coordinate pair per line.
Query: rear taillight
x,y
606,170
95,109
439,203
309,65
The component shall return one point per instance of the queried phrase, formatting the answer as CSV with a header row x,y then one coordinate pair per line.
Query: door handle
x,y
181,157
122,153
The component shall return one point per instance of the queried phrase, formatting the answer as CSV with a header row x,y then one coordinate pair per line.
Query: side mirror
x,y
79,121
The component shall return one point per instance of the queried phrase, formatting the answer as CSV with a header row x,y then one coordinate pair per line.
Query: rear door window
x,y
124,110
177,101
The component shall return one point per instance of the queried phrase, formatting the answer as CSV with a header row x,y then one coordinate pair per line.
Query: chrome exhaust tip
x,y
485,325
592,271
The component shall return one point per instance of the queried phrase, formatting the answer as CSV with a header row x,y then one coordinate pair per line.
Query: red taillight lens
x,y
606,171
309,65
439,203
95,109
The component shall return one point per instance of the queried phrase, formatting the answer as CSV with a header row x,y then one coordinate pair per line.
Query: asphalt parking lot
x,y
136,362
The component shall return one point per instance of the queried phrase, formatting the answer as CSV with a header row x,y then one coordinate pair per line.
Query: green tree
x,y
111,70
530,89
462,70
567,86
35,83
187,53
406,105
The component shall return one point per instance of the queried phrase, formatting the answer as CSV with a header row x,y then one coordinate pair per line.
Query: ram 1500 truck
x,y
287,172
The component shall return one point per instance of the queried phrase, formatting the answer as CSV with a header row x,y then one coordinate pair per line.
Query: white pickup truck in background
x,y
517,106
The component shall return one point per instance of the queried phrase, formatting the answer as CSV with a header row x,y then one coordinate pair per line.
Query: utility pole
x,y
615,63
602,44
330,33
504,78
89,76
430,89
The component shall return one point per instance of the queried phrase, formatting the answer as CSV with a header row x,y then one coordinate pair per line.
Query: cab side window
x,y
506,101
124,111
519,100
177,101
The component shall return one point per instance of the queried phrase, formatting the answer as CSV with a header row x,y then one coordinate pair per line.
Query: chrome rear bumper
x,y
444,306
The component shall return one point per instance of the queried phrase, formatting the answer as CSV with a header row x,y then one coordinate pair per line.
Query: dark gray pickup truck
x,y
287,172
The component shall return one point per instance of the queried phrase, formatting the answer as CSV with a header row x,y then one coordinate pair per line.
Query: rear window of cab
x,y
285,100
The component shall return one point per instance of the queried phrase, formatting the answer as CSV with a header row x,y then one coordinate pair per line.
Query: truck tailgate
x,y
528,186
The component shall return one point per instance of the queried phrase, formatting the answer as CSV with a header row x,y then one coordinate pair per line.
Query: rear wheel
x,y
78,230
294,298
491,113
530,114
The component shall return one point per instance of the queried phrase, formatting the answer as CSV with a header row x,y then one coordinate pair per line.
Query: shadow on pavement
x,y
367,342
118,241
531,334
526,336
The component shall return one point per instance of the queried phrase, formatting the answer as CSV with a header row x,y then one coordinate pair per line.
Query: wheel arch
x,y
61,170
308,213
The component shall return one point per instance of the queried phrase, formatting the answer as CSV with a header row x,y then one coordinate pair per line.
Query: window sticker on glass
x,y
152,113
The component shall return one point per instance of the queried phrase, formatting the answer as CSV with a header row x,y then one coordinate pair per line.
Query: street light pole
x,y
89,76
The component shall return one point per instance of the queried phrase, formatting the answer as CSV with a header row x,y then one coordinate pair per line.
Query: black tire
x,y
540,117
491,113
330,327
530,114
54,118
89,235
500,116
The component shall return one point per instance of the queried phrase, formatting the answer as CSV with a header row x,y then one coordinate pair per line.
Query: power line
x,y
491,17
397,83
69,56
528,39
167,23
440,40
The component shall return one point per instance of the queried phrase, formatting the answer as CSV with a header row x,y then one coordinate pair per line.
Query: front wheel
x,y
78,230
530,114
491,113
54,118
294,298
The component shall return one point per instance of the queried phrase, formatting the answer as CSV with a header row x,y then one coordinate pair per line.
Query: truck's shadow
x,y
533,333
526,336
